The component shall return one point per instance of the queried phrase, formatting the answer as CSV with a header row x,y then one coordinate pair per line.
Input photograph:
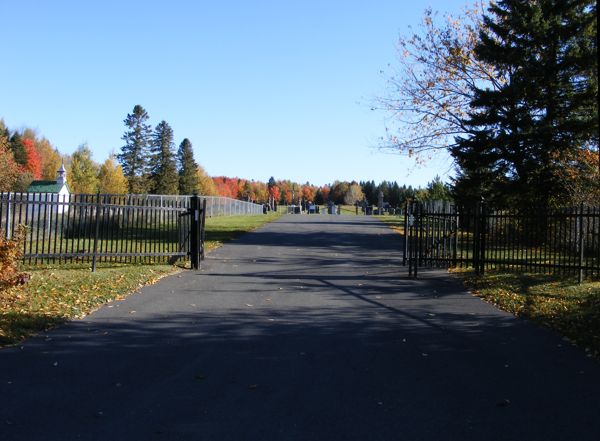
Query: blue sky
x,y
261,88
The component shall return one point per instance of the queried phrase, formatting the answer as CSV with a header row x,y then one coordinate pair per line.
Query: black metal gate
x,y
550,240
104,228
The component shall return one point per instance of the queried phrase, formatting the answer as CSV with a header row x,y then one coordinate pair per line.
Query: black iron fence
x,y
549,240
102,228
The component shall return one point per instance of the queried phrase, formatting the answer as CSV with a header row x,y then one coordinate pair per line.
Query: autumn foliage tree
x,y
110,178
83,171
204,183
9,168
430,91
34,161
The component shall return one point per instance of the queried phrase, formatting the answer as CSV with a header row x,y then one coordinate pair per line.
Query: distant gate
x,y
560,240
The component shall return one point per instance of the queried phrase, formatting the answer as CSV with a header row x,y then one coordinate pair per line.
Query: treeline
x,y
286,192
149,163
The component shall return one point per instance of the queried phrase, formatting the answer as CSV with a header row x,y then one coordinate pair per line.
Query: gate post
x,y
195,231
405,233
580,244
483,214
203,229
476,236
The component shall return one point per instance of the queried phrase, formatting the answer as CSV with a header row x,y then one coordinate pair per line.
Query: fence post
x,y
194,231
415,240
476,235
454,223
203,229
7,230
97,228
580,244
405,233
482,232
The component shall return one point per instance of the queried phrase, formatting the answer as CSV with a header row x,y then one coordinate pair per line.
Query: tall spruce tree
x,y
524,131
163,170
18,149
188,168
134,154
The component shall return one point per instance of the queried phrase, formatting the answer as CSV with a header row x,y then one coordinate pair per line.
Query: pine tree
x,y
188,168
18,149
163,170
525,130
134,154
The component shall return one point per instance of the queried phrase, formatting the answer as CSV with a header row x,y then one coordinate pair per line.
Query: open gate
x,y
440,235
551,240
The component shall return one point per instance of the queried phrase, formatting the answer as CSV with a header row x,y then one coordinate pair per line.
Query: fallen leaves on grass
x,y
558,303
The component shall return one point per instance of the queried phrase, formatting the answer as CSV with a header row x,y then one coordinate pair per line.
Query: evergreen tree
x,y
18,149
370,192
134,154
188,168
163,170
394,196
526,129
438,190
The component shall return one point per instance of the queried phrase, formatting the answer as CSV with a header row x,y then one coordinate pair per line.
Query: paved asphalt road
x,y
307,329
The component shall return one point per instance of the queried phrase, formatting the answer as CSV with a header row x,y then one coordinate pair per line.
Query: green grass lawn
x,y
57,293
396,223
224,228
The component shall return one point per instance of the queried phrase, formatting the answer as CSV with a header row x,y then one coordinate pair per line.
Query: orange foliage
x,y
308,193
34,161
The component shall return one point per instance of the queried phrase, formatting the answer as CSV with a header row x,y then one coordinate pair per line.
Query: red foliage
x,y
34,161
308,193
227,187
275,193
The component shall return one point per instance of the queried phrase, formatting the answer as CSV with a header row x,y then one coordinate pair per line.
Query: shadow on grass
x,y
15,326
556,302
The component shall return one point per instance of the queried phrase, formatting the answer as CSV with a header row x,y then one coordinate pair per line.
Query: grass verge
x,y
57,293
396,223
555,302
225,228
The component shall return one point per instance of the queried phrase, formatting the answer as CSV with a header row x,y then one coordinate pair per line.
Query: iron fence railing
x,y
116,228
543,239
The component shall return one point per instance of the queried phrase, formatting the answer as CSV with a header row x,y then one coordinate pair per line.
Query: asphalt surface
x,y
307,329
